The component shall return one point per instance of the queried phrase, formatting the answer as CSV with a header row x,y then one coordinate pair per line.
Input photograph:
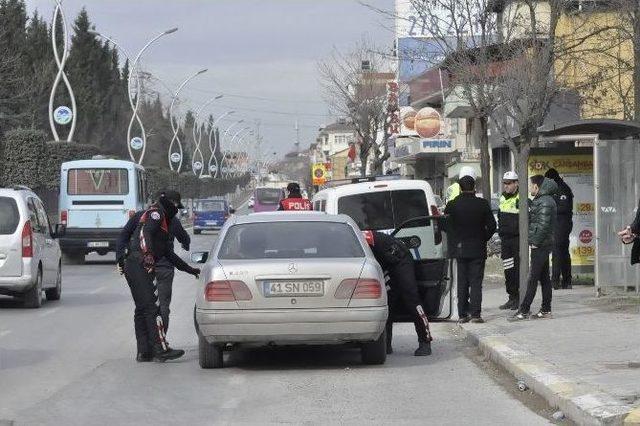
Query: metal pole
x,y
134,116
198,138
228,173
212,147
61,74
174,127
226,132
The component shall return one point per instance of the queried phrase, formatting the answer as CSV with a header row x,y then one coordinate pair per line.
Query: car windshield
x,y
9,216
268,195
290,240
384,210
98,182
209,206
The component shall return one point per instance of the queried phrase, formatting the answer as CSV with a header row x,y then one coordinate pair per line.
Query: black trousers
x,y
561,269
539,273
148,324
470,276
164,281
511,265
403,284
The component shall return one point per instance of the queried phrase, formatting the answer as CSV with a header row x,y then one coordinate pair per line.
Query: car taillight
x,y
368,235
363,288
226,291
64,215
132,213
27,240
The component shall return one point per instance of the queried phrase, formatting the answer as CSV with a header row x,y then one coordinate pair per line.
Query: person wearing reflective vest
x,y
150,242
508,230
454,190
294,200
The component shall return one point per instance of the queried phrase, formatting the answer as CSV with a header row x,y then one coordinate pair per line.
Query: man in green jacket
x,y
542,218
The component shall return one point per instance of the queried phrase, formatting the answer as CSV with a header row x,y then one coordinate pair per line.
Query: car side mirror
x,y
199,257
60,230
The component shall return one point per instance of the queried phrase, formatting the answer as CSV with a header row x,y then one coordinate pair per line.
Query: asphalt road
x,y
72,363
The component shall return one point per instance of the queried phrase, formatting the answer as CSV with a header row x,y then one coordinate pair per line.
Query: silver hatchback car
x,y
290,278
29,252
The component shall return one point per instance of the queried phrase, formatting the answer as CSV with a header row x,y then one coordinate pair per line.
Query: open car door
x,y
434,271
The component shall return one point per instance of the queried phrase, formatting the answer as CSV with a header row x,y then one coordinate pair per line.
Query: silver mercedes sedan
x,y
290,278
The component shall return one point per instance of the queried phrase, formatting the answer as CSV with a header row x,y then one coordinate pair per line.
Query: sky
x,y
261,54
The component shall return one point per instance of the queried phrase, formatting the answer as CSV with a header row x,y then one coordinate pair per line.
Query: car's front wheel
x,y
375,353
196,232
210,354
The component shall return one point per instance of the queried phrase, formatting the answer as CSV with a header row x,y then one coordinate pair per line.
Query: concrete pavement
x,y
585,360
71,363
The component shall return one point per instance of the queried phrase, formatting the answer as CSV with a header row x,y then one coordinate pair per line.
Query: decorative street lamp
x,y
213,145
197,139
63,114
177,157
226,170
226,132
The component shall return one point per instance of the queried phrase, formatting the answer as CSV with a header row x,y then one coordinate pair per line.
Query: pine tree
x,y
13,19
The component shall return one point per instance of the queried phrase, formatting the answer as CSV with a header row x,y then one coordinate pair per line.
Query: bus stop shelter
x,y
616,184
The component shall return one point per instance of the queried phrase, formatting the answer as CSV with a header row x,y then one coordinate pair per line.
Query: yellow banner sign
x,y
319,174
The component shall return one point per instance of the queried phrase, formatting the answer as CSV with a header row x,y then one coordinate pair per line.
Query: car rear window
x,y
9,216
210,206
290,240
384,210
268,195
98,182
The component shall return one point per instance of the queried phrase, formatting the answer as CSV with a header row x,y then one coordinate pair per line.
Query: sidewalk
x,y
585,361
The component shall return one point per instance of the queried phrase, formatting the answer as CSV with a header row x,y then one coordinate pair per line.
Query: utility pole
x,y
297,137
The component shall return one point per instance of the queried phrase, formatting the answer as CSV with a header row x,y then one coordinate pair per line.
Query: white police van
x,y
97,198
407,209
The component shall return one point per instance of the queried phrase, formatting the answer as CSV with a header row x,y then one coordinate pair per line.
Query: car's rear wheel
x,y
210,354
33,297
56,292
73,258
196,232
375,353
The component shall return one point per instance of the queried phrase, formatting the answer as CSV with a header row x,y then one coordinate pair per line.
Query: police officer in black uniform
x,y
561,260
149,243
396,260
165,270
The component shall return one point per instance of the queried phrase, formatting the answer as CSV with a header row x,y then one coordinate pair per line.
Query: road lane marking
x,y
97,290
48,312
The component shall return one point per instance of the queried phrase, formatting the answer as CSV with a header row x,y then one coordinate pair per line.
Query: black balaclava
x,y
169,208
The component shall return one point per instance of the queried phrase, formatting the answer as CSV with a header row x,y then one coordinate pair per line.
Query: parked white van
x,y
408,210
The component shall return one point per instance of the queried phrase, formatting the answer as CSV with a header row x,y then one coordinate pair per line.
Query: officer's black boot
x,y
144,357
424,349
160,355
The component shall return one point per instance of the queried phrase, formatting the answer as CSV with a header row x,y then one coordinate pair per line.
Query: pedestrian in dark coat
x,y
630,235
561,265
470,224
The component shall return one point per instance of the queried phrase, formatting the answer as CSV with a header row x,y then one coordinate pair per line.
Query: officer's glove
x,y
121,265
185,247
148,262
195,272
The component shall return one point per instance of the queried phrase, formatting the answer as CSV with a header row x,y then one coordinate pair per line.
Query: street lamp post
x,y
213,146
226,132
134,115
233,138
174,126
197,138
243,147
61,75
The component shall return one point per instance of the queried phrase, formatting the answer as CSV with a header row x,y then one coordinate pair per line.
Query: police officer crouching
x,y
150,242
509,232
294,200
396,260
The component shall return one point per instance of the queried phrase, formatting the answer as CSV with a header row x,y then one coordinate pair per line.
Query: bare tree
x,y
355,86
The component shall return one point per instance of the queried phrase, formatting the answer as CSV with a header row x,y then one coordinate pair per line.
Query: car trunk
x,y
209,218
276,283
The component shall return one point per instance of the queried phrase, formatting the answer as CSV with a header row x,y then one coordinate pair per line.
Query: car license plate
x,y
211,222
293,288
95,244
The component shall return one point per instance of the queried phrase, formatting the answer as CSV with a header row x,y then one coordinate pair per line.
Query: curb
x,y
583,403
